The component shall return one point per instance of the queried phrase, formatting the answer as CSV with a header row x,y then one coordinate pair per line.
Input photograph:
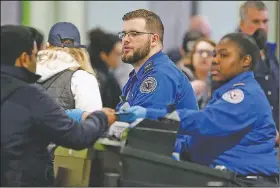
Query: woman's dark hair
x,y
249,45
38,37
100,42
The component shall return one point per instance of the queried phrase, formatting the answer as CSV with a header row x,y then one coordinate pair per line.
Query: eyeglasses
x,y
205,53
132,34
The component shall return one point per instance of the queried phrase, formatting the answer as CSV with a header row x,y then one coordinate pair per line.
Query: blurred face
x,y
28,61
113,58
227,61
254,20
202,57
136,41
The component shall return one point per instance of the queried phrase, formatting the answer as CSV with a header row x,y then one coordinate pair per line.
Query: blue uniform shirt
x,y
157,84
236,129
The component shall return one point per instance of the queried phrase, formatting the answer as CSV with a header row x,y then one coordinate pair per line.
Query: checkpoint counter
x,y
87,167
143,158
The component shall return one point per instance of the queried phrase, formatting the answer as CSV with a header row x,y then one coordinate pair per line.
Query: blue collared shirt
x,y
157,84
236,129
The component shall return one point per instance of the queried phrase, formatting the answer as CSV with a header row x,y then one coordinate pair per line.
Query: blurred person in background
x,y
200,64
187,46
199,24
66,70
105,52
254,15
31,119
39,38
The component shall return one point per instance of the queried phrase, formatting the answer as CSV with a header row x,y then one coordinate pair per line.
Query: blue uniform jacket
x,y
235,129
157,84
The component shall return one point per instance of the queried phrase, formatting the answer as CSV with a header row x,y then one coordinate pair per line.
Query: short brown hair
x,y
153,21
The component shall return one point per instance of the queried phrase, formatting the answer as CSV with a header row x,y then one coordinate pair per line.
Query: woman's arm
x,y
86,91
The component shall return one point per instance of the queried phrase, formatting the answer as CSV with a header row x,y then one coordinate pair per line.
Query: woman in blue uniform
x,y
236,128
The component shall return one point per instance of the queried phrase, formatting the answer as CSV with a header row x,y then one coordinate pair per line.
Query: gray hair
x,y
250,4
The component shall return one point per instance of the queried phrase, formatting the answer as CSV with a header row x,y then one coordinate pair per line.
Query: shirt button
x,y
266,77
271,107
269,92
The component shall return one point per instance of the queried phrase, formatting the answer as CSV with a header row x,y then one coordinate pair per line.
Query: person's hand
x,y
124,106
132,113
176,156
75,114
199,87
110,113
85,115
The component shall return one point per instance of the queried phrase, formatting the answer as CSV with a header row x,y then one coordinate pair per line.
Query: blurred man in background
x,y
254,15
199,24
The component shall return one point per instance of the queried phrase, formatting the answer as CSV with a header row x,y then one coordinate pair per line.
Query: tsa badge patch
x,y
148,85
234,96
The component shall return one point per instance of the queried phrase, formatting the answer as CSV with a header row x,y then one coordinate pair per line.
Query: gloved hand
x,y
125,106
130,114
75,114
176,156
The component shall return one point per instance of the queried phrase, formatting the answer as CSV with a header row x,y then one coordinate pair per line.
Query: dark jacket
x,y
109,87
267,74
30,120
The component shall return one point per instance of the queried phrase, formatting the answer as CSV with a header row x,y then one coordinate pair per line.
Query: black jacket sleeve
x,y
51,120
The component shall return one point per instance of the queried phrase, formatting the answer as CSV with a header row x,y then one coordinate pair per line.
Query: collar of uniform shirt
x,y
236,79
150,62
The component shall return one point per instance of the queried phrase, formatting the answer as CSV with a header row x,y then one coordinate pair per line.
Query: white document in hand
x,y
118,127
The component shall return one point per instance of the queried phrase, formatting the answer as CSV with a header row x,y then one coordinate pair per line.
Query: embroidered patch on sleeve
x,y
234,96
148,85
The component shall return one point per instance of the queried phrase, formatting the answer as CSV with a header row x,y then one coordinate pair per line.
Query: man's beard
x,y
137,55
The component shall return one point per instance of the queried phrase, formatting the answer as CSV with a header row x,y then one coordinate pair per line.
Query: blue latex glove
x,y
130,114
176,156
75,114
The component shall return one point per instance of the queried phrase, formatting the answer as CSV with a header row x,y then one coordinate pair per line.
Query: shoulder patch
x,y
234,96
148,85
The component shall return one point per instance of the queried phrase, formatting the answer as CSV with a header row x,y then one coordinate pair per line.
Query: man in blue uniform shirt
x,y
155,81
236,128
